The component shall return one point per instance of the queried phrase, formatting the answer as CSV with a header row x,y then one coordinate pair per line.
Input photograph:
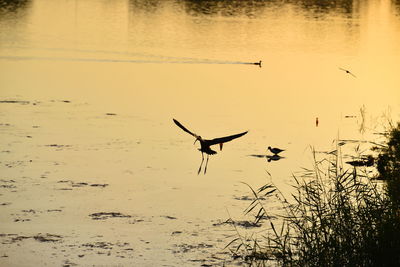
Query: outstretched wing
x,y
225,139
184,128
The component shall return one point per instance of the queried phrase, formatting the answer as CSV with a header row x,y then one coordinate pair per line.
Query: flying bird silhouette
x,y
275,150
206,143
348,72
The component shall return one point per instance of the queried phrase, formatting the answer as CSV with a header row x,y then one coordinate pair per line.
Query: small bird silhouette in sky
x,y
348,72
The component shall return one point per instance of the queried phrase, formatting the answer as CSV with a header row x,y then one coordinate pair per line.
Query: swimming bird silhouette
x,y
368,162
348,72
275,150
206,143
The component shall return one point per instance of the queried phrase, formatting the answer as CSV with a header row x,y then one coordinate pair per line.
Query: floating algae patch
x,y
22,102
14,238
107,215
47,238
244,224
99,185
79,184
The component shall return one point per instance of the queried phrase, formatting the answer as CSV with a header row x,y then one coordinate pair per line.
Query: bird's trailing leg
x,y
205,168
202,159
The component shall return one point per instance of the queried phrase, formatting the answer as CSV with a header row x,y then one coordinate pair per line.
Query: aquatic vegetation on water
x,y
336,217
13,238
107,215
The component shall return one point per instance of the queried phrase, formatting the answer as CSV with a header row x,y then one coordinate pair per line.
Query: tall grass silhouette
x,y
337,216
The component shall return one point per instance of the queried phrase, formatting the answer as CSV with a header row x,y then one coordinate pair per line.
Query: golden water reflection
x,y
103,80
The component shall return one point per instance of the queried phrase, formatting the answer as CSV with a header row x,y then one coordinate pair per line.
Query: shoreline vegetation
x,y
337,215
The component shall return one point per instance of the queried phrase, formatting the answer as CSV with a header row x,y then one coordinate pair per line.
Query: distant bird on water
x,y
348,72
368,162
206,143
275,150
258,63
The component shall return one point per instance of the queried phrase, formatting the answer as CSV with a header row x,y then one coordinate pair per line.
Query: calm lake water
x,y
88,90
